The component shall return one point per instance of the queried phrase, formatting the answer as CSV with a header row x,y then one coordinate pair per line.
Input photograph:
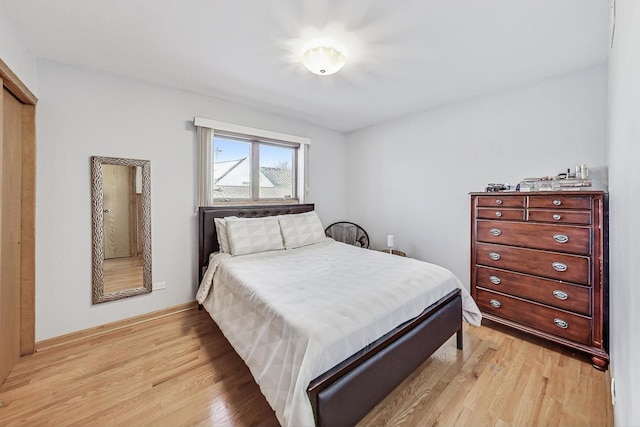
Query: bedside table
x,y
393,251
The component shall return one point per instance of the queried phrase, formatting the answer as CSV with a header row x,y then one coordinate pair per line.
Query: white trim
x,y
246,130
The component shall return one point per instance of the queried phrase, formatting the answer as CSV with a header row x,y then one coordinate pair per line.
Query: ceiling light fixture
x,y
323,60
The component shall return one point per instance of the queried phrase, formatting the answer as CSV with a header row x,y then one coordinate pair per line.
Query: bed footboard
x,y
347,392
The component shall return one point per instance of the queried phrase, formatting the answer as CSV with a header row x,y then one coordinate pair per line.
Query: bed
x,y
327,353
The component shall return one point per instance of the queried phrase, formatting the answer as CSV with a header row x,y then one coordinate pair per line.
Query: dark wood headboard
x,y
208,242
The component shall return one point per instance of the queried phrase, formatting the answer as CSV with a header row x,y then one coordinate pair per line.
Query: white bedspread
x,y
292,315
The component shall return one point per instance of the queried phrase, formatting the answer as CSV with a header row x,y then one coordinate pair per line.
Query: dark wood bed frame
x,y
347,392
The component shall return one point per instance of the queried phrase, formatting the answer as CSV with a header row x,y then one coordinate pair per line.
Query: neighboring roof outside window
x,y
236,173
280,177
233,181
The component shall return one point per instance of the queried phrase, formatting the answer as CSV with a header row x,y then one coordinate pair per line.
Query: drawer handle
x,y
498,214
495,303
498,201
558,266
495,280
557,217
495,232
560,323
494,256
561,238
557,202
560,295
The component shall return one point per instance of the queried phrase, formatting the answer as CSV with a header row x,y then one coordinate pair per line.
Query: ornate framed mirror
x,y
121,227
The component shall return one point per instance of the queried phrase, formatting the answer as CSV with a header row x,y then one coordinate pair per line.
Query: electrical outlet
x,y
613,391
159,285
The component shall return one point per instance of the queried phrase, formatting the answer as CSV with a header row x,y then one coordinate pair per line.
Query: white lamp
x,y
323,60
390,243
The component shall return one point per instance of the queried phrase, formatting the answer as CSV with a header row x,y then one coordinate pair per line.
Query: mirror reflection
x,y
122,186
121,217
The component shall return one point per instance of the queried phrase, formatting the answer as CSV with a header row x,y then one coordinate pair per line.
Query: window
x,y
239,164
247,165
277,172
231,169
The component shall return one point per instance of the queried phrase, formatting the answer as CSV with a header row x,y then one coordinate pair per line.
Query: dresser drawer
x,y
558,201
553,265
559,238
501,201
546,291
501,214
560,216
557,322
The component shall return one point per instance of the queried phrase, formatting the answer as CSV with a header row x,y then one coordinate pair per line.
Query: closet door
x,y
10,228
17,220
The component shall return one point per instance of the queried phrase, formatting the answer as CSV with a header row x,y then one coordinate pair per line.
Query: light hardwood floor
x,y
121,274
179,370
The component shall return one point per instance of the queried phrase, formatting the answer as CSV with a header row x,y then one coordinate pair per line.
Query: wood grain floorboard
x,y
179,370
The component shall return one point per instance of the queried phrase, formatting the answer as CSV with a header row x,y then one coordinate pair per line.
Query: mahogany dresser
x,y
539,264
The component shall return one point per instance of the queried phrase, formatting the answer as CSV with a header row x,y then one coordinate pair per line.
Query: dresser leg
x,y
599,363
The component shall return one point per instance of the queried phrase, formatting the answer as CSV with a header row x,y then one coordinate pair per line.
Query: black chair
x,y
348,232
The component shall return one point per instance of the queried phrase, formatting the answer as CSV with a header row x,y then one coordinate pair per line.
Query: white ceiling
x,y
404,56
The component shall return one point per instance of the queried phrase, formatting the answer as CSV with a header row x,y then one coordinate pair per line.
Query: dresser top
x,y
539,193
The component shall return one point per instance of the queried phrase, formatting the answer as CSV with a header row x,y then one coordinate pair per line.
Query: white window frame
x,y
207,128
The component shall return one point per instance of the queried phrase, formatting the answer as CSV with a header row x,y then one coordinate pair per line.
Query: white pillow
x,y
250,235
301,229
221,233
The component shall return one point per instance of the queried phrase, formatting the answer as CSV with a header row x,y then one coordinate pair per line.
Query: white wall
x,y
411,177
14,52
83,113
624,202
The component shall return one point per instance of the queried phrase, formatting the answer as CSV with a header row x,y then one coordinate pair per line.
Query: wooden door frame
x,y
28,212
